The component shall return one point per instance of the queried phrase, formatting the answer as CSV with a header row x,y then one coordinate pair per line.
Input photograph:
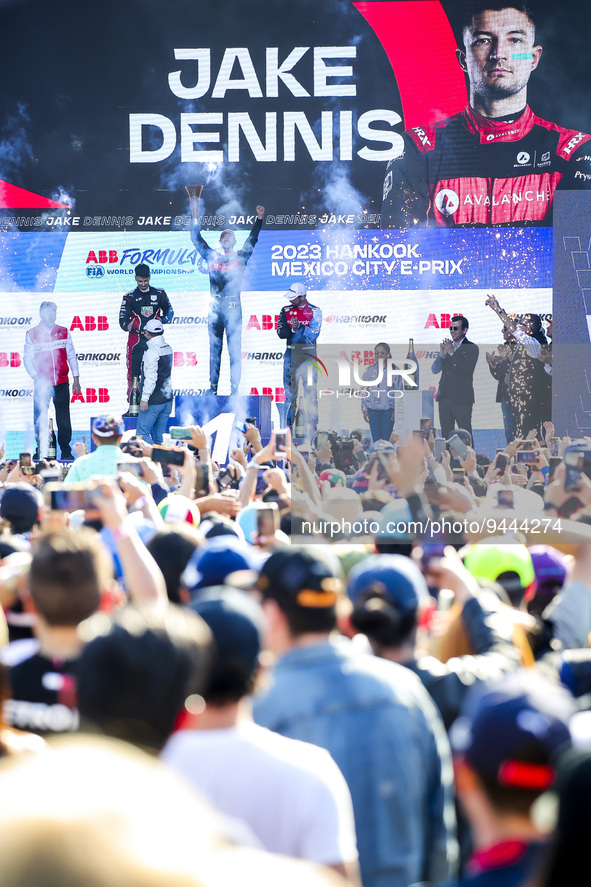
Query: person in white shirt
x,y
291,794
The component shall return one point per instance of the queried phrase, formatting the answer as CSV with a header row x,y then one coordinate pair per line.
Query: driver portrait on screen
x,y
496,162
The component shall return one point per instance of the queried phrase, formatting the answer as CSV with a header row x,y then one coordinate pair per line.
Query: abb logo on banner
x,y
90,324
10,360
104,257
92,395
266,322
444,320
268,392
185,358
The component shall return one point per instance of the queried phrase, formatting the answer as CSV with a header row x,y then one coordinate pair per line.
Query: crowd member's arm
x,y
143,580
570,611
490,638
306,476
140,498
152,474
199,441
188,475
249,481
253,436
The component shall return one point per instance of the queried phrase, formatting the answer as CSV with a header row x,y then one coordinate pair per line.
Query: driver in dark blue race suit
x,y
496,162
226,270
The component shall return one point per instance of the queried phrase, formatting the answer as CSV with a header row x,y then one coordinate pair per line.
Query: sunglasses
x,y
455,327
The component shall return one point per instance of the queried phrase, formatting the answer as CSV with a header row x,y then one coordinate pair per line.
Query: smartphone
x,y
527,456
431,551
251,420
366,443
131,468
77,497
168,455
574,468
458,475
529,445
321,440
202,479
267,520
458,445
439,448
280,441
501,461
505,498
554,444
51,475
553,465
225,479
25,463
240,426
178,432
425,427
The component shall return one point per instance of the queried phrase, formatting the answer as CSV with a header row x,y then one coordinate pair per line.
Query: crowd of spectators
x,y
251,698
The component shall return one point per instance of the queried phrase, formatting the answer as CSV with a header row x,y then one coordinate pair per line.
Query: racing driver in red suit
x,y
496,162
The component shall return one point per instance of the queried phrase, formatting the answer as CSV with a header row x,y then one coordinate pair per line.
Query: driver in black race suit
x,y
226,270
495,163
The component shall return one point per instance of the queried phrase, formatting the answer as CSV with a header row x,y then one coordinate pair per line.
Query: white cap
x,y
295,291
154,326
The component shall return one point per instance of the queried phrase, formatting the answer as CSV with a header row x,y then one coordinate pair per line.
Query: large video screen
x,y
406,172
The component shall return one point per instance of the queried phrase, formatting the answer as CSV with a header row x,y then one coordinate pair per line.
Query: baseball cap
x,y
295,291
511,731
154,326
382,446
20,505
390,576
334,476
303,577
108,426
236,622
214,560
176,509
489,561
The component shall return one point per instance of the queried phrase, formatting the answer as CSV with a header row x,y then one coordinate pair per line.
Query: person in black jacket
x,y
388,592
456,362
138,306
226,270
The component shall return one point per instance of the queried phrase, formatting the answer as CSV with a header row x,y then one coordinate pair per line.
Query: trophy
x,y
194,192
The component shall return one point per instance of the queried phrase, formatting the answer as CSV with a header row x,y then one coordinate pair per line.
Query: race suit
x,y
472,170
140,307
301,345
226,270
48,356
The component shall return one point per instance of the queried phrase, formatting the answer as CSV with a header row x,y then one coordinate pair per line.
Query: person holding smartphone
x,y
378,408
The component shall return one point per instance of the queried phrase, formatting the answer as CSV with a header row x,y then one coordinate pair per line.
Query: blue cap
x,y
108,426
392,576
236,622
216,559
511,731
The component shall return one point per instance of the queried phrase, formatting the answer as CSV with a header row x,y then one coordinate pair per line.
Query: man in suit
x,y
456,361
